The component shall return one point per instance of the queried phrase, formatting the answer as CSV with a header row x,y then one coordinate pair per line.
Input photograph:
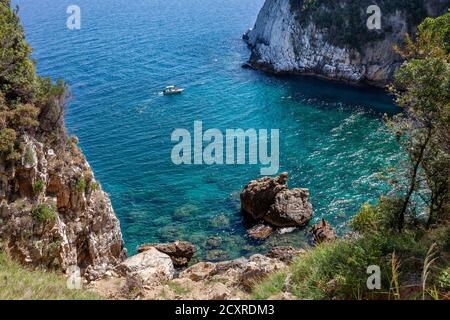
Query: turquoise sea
x,y
332,136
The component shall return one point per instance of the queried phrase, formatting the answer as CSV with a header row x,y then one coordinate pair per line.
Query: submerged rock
x,y
219,221
269,199
323,231
180,252
217,255
214,242
260,232
185,211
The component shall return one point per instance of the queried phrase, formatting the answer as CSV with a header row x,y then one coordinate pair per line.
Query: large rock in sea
x,y
269,199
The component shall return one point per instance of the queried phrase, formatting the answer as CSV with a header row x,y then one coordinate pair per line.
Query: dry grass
x,y
19,283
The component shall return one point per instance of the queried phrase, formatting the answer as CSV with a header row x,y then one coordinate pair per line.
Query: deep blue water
x,y
332,136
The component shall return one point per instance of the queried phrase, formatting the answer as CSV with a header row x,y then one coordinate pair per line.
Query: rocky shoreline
x,y
162,271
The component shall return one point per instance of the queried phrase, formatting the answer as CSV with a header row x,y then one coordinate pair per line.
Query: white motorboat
x,y
171,90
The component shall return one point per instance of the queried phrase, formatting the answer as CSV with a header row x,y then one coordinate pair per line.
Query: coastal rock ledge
x,y
270,199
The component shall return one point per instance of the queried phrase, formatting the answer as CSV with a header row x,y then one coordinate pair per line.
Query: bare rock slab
x,y
180,252
152,266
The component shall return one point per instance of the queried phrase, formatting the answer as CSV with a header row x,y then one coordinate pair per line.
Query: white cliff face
x,y
280,43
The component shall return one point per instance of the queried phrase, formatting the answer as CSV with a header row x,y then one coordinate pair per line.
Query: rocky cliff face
x,y
330,38
54,214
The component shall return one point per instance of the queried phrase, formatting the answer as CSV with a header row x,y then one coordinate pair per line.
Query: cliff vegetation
x,y
53,214
407,234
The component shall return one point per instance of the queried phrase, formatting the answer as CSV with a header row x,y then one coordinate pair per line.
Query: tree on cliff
x,y
422,88
27,102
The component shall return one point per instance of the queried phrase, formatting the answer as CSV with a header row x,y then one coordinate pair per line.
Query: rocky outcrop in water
x,y
270,199
54,214
322,232
330,38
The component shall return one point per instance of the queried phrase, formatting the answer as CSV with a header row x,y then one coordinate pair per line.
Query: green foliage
x,y
421,87
7,141
26,100
380,218
81,184
270,287
17,72
20,283
43,213
94,186
38,186
443,280
28,157
345,21
338,270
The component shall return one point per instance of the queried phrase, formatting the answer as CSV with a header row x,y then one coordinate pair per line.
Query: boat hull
x,y
173,92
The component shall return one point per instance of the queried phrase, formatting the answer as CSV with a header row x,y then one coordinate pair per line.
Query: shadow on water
x,y
325,93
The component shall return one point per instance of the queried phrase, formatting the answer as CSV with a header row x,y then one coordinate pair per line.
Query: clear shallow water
x,y
332,137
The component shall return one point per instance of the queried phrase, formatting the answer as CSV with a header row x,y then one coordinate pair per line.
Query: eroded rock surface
x,y
180,252
285,254
323,231
225,280
54,214
269,199
151,266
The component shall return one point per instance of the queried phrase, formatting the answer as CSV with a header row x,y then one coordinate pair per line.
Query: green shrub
x,y
373,219
43,213
443,280
28,157
81,184
269,287
38,186
7,141
338,270
94,186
